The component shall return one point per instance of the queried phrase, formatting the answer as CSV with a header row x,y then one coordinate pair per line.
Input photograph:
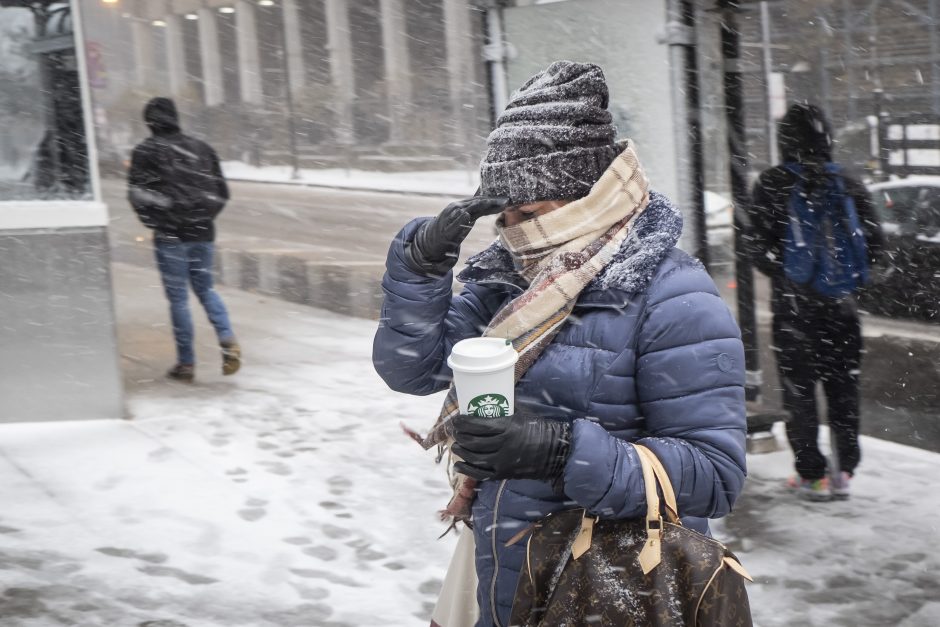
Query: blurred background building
x,y
372,84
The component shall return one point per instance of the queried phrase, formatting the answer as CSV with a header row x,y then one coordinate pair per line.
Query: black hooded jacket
x,y
804,137
175,183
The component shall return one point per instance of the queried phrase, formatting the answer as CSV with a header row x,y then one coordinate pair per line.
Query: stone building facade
x,y
377,84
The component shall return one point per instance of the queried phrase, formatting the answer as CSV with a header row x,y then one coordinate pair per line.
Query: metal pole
x,y
696,154
683,64
744,275
825,84
767,60
495,55
934,52
847,25
288,99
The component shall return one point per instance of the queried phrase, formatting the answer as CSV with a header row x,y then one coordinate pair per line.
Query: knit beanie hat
x,y
555,138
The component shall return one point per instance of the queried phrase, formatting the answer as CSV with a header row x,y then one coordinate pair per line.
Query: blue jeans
x,y
182,264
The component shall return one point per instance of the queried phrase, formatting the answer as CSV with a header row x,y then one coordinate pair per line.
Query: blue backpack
x,y
825,245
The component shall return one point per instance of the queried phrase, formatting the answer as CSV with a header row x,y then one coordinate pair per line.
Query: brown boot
x,y
184,373
231,357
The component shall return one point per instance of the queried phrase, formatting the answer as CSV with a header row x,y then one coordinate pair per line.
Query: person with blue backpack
x,y
813,232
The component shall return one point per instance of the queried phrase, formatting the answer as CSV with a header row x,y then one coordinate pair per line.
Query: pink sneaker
x,y
811,489
840,485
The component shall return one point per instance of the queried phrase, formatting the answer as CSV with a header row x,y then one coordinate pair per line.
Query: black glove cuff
x,y
434,269
558,457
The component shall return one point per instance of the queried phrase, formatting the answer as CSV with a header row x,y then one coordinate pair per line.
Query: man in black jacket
x,y
177,188
816,338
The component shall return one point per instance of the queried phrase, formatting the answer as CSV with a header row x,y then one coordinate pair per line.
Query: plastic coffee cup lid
x,y
480,355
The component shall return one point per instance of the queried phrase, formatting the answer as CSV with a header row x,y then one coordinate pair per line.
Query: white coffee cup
x,y
484,376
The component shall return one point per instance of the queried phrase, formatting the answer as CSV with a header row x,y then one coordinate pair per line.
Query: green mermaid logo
x,y
489,406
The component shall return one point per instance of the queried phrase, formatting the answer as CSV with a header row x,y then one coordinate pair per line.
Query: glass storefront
x,y
43,149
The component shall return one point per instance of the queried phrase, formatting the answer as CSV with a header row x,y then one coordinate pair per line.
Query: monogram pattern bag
x,y
650,572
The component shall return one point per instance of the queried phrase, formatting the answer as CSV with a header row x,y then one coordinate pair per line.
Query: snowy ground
x,y
457,183
286,496
873,560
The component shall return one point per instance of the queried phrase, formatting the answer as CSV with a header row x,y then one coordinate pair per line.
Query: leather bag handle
x,y
672,508
654,478
653,474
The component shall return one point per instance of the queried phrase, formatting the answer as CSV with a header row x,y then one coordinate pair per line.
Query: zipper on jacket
x,y
499,494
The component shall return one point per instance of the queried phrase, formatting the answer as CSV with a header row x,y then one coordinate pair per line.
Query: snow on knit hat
x,y
555,138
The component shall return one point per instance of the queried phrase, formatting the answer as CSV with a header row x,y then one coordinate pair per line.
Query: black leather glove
x,y
436,245
511,447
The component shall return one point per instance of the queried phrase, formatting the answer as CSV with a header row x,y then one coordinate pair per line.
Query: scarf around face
x,y
559,253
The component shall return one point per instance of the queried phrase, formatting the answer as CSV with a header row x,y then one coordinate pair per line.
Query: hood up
x,y
804,135
161,116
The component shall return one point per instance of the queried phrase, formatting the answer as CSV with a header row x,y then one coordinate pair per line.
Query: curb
x,y
376,190
351,288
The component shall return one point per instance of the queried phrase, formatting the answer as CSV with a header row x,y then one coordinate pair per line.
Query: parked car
x,y
906,282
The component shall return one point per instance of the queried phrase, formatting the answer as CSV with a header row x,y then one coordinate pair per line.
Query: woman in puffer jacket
x,y
622,337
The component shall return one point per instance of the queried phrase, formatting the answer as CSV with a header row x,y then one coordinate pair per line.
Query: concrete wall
x,y
620,36
58,351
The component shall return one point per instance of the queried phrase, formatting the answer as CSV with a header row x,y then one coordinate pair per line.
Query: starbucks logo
x,y
489,406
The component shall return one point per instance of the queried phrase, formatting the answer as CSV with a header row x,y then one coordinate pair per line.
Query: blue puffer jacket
x,y
650,354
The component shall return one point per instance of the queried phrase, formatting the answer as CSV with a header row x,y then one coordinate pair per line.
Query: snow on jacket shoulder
x,y
650,354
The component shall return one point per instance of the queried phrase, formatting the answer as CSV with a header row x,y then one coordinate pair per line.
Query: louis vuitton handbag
x,y
650,572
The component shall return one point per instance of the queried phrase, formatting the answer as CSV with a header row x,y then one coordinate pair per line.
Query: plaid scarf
x,y
558,253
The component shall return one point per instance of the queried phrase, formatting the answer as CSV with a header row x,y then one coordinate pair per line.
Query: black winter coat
x,y
175,183
804,137
769,218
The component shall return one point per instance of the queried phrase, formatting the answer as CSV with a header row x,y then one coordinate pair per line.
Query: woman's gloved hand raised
x,y
436,245
511,447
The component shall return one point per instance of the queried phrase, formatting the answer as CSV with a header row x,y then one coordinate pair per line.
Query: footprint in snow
x,y
277,468
298,540
370,555
339,485
182,575
312,573
431,586
152,558
160,454
335,533
252,514
325,553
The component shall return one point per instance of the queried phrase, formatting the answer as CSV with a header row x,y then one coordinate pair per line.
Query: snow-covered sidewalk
x,y
456,183
286,496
